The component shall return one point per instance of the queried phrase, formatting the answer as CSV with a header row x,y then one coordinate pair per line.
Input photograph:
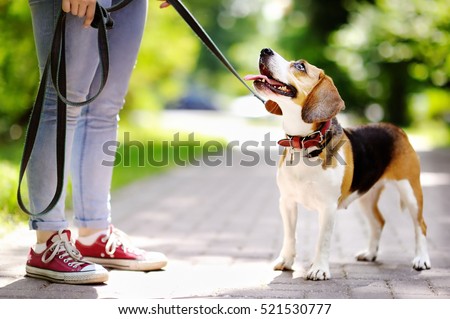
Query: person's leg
x,y
41,174
91,178
99,241
54,257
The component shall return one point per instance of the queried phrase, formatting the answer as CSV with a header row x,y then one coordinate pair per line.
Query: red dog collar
x,y
304,142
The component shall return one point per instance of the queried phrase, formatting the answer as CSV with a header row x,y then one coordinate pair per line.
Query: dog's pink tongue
x,y
252,77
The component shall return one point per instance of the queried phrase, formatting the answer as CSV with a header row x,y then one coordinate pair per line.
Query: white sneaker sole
x,y
86,277
128,264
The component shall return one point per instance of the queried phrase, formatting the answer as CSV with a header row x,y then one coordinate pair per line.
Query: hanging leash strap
x,y
56,65
208,42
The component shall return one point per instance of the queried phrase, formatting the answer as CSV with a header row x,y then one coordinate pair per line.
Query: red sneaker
x,y
114,250
62,262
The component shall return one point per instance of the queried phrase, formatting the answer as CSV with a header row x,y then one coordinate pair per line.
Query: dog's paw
x,y
366,256
282,263
318,273
421,262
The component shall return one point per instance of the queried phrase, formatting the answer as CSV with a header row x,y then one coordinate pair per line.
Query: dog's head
x,y
298,84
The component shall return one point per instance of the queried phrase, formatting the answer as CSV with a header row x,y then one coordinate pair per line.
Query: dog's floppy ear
x,y
273,107
323,103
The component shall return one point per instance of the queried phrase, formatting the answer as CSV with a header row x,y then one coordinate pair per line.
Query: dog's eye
x,y
300,66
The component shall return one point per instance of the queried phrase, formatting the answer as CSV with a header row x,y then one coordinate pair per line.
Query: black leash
x,y
56,65
208,42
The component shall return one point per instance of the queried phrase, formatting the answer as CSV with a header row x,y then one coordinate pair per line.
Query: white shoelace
x,y
117,238
66,250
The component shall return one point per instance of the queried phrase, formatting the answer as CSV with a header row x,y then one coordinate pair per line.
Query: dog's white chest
x,y
308,183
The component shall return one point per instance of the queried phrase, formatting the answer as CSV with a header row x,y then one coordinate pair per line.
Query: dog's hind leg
x,y
412,198
369,206
288,210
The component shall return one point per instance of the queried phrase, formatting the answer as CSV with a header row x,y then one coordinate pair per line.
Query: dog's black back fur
x,y
372,147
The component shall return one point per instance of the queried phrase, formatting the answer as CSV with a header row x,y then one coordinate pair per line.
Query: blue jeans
x,y
88,127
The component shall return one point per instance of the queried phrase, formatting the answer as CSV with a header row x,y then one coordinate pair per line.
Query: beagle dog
x,y
325,167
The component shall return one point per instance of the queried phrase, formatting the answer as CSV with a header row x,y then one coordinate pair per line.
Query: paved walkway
x,y
221,229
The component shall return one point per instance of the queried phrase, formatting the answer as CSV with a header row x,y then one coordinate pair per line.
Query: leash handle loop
x,y
102,14
102,22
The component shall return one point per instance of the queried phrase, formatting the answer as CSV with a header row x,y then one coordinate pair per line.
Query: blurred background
x,y
388,59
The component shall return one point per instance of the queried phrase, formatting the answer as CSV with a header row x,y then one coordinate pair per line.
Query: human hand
x,y
165,4
81,8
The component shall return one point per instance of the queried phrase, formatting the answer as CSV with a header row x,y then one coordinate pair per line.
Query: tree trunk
x,y
396,104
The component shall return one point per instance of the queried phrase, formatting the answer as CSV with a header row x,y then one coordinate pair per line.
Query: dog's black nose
x,y
266,51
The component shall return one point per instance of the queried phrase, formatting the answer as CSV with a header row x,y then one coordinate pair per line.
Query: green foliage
x,y
173,61
393,48
18,64
10,213
370,48
165,62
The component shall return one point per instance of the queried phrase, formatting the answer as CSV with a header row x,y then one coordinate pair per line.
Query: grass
x,y
10,213
146,152
141,153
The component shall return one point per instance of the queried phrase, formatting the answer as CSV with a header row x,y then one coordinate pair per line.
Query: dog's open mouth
x,y
272,84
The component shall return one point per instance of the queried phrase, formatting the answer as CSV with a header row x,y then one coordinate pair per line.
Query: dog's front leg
x,y
320,269
288,210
